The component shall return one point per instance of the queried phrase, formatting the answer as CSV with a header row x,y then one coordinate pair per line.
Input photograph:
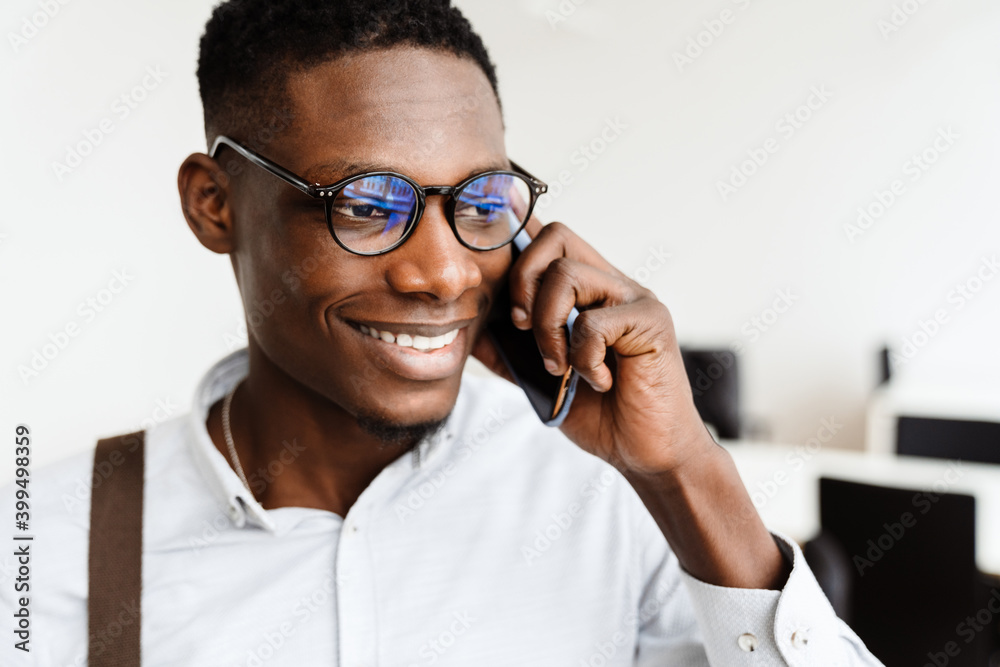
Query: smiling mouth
x,y
414,341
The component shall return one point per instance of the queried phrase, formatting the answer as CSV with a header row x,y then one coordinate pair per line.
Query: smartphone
x,y
550,395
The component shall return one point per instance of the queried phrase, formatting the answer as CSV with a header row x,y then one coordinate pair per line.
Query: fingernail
x,y
551,366
519,315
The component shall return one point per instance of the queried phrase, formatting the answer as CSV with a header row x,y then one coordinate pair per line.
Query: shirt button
x,y
234,513
800,638
748,642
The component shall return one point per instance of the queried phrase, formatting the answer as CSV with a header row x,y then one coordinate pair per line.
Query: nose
x,y
432,262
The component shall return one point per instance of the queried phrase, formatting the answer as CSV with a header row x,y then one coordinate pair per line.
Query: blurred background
x,y
811,188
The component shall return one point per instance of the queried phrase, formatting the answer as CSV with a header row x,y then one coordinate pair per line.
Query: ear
x,y
204,189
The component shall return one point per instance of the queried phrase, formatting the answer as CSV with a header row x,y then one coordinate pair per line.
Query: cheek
x,y
290,317
282,267
496,270
294,293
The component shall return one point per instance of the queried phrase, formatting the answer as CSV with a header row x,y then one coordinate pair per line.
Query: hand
x,y
635,408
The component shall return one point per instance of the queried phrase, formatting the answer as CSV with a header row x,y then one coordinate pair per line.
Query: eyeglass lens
x,y
372,213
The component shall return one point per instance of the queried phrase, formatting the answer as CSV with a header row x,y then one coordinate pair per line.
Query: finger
x,y
552,241
631,330
567,283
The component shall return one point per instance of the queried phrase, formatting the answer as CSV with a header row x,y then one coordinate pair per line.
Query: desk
x,y
783,482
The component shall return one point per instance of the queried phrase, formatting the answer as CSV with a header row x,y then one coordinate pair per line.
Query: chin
x,y
409,402
401,430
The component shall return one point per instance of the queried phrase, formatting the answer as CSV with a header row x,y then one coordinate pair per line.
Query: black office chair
x,y
947,438
901,566
714,379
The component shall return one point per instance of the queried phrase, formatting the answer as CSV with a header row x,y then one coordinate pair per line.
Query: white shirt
x,y
505,544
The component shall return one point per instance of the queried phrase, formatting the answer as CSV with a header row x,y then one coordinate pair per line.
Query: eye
x,y
361,210
480,208
353,208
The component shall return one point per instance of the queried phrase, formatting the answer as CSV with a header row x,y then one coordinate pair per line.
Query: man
x,y
341,493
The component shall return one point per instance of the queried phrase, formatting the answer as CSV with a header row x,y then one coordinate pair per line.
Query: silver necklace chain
x,y
229,436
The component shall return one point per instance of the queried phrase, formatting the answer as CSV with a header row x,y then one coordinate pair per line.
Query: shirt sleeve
x,y
795,626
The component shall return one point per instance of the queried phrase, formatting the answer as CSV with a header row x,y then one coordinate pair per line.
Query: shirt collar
x,y
237,501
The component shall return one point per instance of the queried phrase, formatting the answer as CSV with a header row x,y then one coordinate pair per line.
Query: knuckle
x,y
662,324
663,314
620,294
560,268
555,228
585,327
643,292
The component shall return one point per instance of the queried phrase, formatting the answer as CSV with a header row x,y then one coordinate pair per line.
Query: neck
x,y
297,447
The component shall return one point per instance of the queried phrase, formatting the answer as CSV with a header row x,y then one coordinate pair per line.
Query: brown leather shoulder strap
x,y
115,559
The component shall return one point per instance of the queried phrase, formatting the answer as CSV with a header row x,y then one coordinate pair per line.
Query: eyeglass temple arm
x,y
263,163
287,176
540,186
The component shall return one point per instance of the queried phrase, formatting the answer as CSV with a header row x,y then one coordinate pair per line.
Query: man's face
x,y
431,116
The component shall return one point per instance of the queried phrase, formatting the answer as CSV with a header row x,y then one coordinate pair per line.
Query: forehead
x,y
429,114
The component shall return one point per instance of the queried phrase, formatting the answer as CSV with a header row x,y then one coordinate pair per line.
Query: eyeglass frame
x,y
328,193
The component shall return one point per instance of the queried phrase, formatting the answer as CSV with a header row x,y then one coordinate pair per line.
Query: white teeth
x,y
416,342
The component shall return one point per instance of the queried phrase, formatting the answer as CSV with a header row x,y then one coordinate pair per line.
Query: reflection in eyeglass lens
x,y
490,210
373,212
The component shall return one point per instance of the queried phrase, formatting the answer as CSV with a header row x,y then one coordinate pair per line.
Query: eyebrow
x,y
328,173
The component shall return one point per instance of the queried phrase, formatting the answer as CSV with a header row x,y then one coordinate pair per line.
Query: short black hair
x,y
251,46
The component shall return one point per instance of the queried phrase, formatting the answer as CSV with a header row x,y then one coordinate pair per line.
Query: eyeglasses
x,y
374,212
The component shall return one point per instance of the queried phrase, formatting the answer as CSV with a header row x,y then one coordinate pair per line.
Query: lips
x,y
416,341
412,329
407,351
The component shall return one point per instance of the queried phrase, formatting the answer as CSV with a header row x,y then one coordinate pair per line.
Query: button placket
x,y
356,603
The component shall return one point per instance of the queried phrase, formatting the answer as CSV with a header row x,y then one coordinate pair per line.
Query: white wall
x,y
683,130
